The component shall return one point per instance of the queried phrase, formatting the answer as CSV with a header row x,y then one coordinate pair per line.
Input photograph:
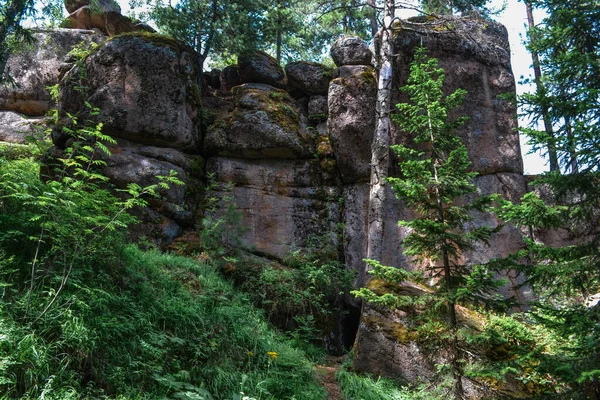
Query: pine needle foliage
x,y
437,183
565,278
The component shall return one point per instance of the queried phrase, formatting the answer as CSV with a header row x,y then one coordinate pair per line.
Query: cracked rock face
x,y
351,123
285,205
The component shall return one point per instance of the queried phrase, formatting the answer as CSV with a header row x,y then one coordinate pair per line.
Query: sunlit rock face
x,y
37,66
279,165
475,56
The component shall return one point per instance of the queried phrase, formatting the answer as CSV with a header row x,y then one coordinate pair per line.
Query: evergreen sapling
x,y
436,182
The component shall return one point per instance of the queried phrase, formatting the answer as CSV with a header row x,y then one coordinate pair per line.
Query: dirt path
x,y
327,373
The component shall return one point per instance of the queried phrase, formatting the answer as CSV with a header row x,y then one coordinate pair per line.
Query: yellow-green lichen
x,y
368,77
392,330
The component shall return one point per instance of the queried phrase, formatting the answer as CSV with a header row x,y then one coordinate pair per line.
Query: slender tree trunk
x,y
456,369
573,165
203,49
278,45
344,8
380,146
541,89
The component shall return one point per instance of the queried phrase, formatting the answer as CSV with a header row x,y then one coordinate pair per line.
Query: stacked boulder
x,y
103,15
145,87
351,123
310,83
263,142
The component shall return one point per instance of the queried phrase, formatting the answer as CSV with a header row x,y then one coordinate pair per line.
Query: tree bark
x,y
203,49
380,146
541,90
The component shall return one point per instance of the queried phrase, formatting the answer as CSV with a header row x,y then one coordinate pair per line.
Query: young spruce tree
x,y
436,182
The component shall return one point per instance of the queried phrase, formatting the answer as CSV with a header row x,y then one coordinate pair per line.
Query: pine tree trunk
x,y
456,369
541,89
279,46
380,146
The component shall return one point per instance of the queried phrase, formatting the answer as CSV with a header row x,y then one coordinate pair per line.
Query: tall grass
x,y
126,323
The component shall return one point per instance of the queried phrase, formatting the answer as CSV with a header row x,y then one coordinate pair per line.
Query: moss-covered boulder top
x,y
265,123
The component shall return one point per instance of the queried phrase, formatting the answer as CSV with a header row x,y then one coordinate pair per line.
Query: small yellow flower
x,y
251,354
272,354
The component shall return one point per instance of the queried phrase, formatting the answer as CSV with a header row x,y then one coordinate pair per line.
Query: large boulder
x,y
285,205
351,50
309,78
98,14
141,164
103,5
475,56
38,66
175,207
229,78
145,87
87,18
14,127
258,67
352,124
265,123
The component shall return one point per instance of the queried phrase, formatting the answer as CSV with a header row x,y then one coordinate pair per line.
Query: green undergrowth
x,y
365,387
148,325
85,315
303,296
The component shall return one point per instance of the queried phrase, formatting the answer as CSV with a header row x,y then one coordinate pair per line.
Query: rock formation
x,y
38,66
103,15
146,88
475,57
294,143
